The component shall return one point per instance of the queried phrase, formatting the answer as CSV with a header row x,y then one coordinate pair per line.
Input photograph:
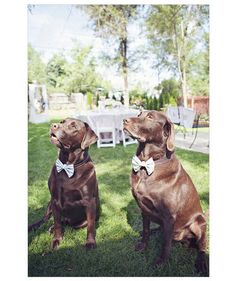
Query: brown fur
x,y
73,199
168,196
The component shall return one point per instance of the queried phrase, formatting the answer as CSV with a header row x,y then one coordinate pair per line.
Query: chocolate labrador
x,y
72,183
162,188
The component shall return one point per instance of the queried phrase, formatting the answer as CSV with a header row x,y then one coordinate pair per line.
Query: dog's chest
x,y
142,189
66,191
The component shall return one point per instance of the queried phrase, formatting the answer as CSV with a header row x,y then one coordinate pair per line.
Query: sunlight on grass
x,y
120,221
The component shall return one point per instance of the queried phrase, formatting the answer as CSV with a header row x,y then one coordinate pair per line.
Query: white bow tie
x,y
137,164
69,169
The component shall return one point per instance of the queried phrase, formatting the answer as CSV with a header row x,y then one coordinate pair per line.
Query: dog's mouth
x,y
54,139
128,132
133,135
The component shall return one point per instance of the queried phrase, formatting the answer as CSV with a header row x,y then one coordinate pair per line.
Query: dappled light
x,y
102,66
120,223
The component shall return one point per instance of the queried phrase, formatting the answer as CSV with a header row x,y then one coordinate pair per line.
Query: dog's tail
x,y
45,218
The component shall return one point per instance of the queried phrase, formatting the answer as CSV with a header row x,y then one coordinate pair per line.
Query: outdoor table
x,y
115,116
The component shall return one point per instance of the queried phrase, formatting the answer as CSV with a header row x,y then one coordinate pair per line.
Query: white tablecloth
x,y
108,117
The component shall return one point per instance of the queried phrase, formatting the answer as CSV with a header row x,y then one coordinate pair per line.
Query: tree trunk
x,y
181,62
184,88
125,70
183,68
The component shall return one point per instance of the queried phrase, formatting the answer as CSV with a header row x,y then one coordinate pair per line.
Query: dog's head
x,y
71,134
151,127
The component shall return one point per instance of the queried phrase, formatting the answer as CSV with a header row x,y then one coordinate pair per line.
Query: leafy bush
x,y
169,90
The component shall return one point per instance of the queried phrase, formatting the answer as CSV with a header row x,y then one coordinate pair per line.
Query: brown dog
x,y
72,183
162,188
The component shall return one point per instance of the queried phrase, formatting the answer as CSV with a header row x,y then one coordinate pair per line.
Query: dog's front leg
x,y
166,246
91,217
57,229
142,244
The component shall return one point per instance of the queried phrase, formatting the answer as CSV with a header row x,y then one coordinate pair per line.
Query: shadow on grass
x,y
120,220
196,158
134,219
113,257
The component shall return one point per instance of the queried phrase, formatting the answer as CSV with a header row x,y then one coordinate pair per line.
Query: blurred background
x,y
141,55
95,58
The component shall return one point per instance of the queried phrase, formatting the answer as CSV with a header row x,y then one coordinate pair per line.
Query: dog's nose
x,y
126,121
54,126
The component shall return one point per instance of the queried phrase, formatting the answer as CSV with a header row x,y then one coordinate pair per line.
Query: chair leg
x,y
123,138
114,138
98,141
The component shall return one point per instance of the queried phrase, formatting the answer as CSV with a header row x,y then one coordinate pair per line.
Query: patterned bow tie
x,y
137,164
69,169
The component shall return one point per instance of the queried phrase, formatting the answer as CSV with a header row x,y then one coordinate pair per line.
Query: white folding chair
x,y
176,117
127,139
187,118
173,113
106,132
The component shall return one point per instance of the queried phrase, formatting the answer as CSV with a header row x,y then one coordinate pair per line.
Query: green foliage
x,y
73,75
57,68
90,100
178,35
97,99
169,91
137,97
82,76
120,221
198,78
155,103
111,22
36,67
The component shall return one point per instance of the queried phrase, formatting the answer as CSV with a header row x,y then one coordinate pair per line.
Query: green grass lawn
x,y
119,224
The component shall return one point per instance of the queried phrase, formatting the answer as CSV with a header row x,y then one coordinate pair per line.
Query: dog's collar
x,y
78,162
149,165
70,168
162,160
138,164
82,161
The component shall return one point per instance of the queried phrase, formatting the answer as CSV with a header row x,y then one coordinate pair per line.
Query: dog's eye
x,y
62,121
73,124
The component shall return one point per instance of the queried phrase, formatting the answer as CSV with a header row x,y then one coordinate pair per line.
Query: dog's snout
x,y
55,126
126,121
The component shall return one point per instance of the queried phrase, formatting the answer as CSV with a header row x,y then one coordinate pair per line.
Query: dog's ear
x,y
89,137
170,133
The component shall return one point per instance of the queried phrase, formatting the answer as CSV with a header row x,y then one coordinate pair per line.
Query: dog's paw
x,y
55,243
201,263
140,246
90,245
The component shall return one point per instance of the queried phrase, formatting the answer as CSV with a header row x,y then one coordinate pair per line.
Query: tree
x,y
82,76
169,91
36,67
175,30
111,22
57,71
198,77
